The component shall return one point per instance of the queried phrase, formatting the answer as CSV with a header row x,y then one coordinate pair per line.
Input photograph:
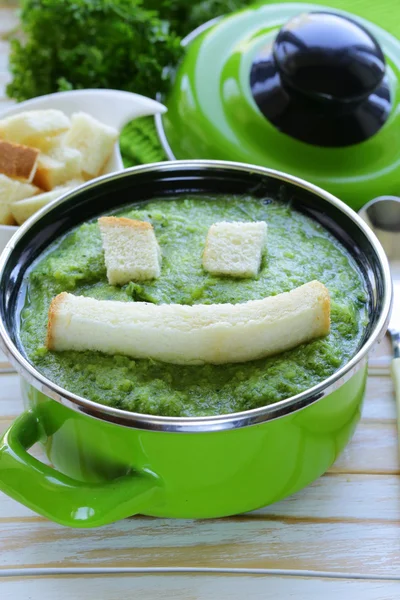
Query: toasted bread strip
x,y
234,249
219,333
17,161
131,250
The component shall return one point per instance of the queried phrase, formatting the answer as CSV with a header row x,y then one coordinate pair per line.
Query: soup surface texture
x,y
298,250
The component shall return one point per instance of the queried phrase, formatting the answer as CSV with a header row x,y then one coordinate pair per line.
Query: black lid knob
x,y
323,81
326,56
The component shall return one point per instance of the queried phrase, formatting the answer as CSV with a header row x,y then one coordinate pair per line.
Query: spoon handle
x,y
396,381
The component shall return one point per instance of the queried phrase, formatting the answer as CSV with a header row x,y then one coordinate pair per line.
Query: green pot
x,y
110,464
215,111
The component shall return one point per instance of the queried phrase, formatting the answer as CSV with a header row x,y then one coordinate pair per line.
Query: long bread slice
x,y
217,333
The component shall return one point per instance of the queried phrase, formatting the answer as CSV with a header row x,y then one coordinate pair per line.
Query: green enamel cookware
x,y
309,89
109,463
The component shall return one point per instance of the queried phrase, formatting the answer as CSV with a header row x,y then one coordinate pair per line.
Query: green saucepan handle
x,y
61,498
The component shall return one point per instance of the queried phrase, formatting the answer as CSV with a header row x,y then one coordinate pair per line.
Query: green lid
x,y
216,110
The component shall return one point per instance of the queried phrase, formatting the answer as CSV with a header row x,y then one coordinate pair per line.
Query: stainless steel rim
x,y
215,423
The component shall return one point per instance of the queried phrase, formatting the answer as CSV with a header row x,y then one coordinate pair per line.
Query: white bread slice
x,y
94,140
56,169
234,249
32,126
193,335
23,209
131,250
11,191
18,161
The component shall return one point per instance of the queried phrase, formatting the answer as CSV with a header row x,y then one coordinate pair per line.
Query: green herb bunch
x,y
121,44
90,44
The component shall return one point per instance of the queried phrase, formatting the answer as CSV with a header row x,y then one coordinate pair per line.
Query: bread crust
x,y
55,305
124,222
326,309
42,179
18,161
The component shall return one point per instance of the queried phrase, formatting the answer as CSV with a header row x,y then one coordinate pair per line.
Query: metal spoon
x,y
383,216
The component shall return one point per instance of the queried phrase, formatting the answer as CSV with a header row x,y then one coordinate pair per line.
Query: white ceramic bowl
x,y
111,107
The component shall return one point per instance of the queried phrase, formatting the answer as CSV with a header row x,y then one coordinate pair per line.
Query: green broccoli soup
x,y
298,250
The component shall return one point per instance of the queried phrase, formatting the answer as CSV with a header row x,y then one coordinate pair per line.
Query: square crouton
x,y
55,169
12,191
32,126
131,250
234,249
94,140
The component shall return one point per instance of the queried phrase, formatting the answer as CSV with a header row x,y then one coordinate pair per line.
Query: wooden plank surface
x,y
195,587
347,522
367,547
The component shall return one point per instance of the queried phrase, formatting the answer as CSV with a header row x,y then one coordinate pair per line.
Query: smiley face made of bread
x,y
181,334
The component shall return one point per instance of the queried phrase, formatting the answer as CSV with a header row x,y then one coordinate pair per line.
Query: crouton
x,y
49,144
32,126
11,191
234,249
23,209
17,161
94,140
192,335
131,250
56,169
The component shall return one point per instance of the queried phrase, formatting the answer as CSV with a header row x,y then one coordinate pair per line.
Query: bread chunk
x,y
32,126
94,140
18,161
49,144
56,169
11,191
190,335
131,250
23,209
234,249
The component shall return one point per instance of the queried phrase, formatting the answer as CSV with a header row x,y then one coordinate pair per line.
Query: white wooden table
x,y
339,538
